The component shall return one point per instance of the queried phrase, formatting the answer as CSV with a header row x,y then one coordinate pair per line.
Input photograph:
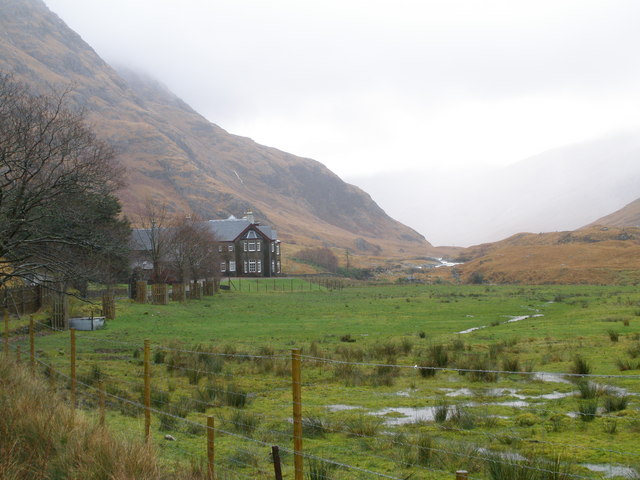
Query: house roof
x,y
230,229
224,230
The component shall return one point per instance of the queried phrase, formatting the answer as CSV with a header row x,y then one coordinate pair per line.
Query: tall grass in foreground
x,y
43,439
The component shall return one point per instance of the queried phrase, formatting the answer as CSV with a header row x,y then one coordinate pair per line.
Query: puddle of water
x,y
469,330
511,320
551,377
523,317
503,392
612,471
555,395
341,408
513,403
411,415
460,392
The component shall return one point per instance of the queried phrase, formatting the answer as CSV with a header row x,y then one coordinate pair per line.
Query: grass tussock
x,y
43,439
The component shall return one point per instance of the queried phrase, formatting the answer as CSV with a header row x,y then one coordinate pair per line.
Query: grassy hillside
x,y
592,255
627,216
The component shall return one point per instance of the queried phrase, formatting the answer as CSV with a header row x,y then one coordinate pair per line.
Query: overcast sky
x,y
368,86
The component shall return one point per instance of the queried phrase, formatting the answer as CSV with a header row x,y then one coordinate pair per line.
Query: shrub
x,y
615,403
511,364
313,426
613,335
244,422
318,469
424,449
440,412
587,389
363,425
235,397
526,420
588,409
580,366
438,355
462,418
347,338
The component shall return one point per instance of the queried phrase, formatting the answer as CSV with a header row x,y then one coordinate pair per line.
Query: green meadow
x,y
390,386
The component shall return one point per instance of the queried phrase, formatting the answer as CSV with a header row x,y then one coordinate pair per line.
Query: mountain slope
x,y
627,216
174,155
591,255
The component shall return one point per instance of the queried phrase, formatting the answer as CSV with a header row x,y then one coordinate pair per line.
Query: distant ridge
x,y
627,216
174,155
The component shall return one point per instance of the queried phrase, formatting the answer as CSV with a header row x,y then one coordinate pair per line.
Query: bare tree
x,y
193,250
56,187
153,238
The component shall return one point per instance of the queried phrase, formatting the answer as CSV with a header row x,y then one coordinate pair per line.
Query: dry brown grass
x,y
41,438
594,255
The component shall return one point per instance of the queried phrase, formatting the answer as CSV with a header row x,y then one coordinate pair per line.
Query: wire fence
x,y
336,418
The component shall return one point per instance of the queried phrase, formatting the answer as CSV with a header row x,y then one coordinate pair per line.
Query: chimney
x,y
249,216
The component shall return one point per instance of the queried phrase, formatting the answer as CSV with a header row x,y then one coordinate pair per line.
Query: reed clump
x,y
43,438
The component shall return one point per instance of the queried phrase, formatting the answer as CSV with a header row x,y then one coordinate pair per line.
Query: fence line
x,y
297,403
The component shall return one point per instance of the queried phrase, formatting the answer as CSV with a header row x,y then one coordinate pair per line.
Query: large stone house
x,y
246,248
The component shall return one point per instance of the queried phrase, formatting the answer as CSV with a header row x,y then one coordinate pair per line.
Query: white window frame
x,y
252,266
231,247
258,245
246,267
219,248
252,246
278,249
232,265
223,266
279,270
245,246
273,247
259,264
273,266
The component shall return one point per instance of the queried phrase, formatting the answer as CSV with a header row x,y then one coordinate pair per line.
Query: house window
x,y
273,247
223,266
252,246
232,266
278,266
278,249
252,266
231,248
273,266
259,262
219,248
246,266
258,243
245,246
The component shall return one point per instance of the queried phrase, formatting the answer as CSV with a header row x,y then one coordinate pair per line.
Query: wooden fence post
x,y
177,292
60,314
461,475
141,292
109,306
210,449
147,390
160,293
74,385
32,345
297,414
6,333
277,468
